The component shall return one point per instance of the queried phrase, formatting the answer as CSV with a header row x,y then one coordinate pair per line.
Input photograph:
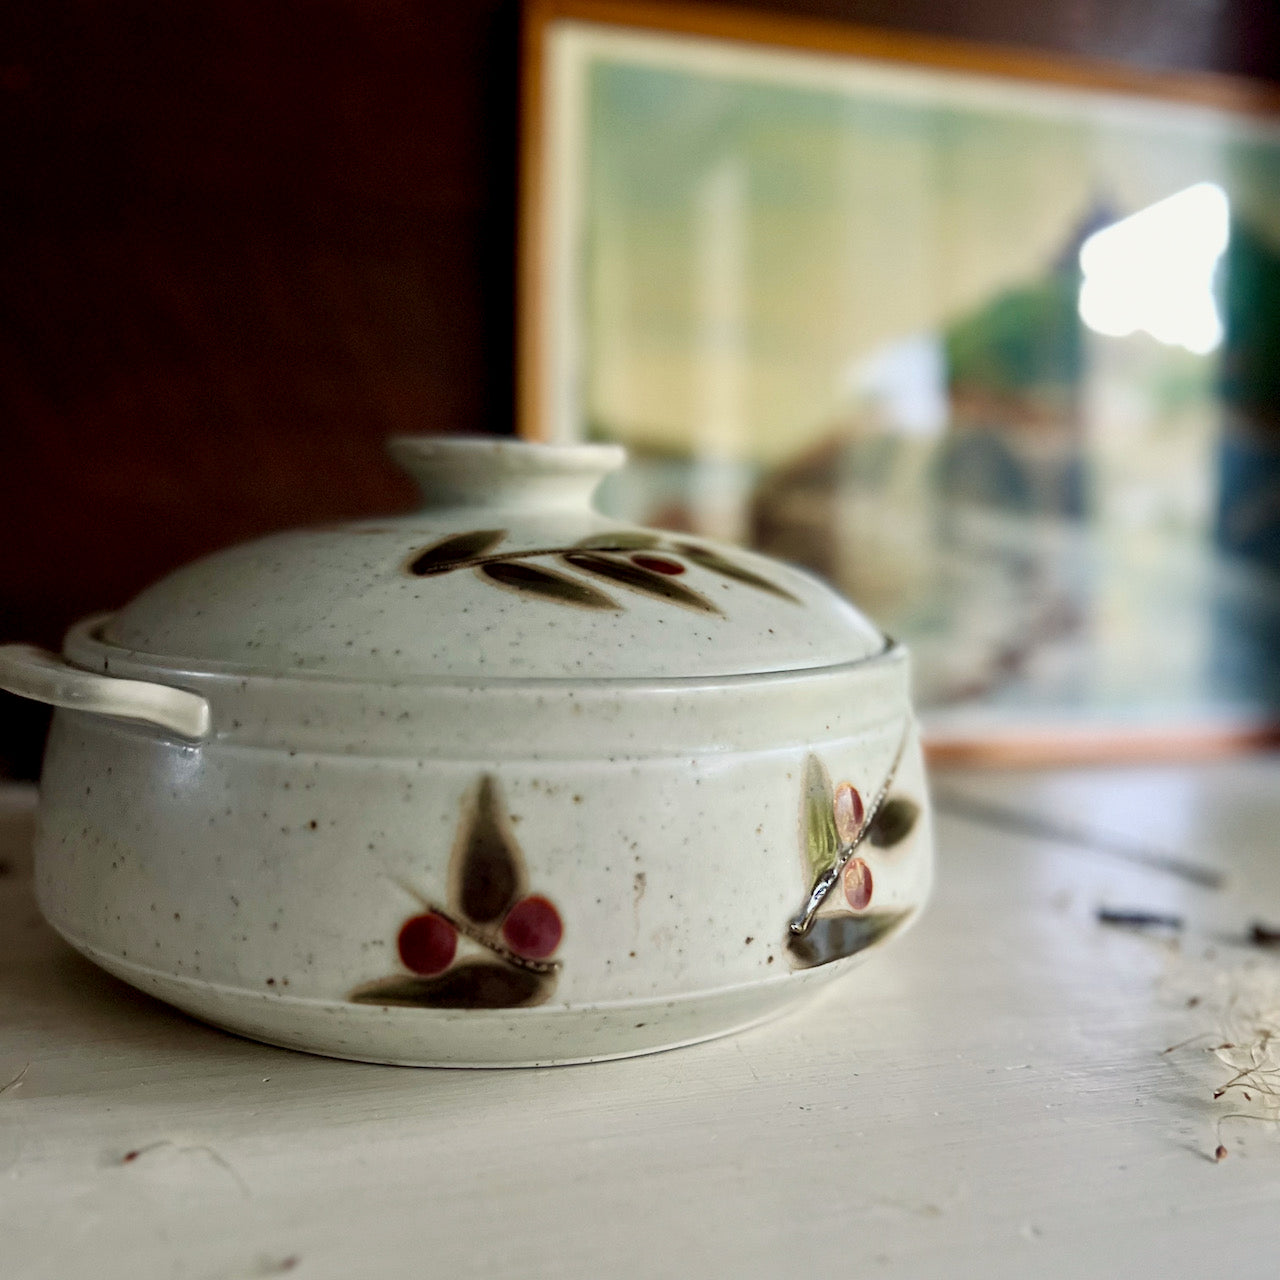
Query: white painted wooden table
x,y
985,1099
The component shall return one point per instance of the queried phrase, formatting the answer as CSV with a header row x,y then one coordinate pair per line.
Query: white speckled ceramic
x,y
500,782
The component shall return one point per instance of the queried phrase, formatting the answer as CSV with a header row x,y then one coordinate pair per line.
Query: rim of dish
x,y
87,634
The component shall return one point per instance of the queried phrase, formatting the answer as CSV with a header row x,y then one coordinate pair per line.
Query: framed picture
x,y
982,336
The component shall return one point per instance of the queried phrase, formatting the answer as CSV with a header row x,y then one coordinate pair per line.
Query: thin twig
x,y
1138,919
1203,1035
1020,822
225,1164
130,1156
17,1080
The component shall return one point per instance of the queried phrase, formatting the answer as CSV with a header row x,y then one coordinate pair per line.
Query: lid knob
x,y
479,471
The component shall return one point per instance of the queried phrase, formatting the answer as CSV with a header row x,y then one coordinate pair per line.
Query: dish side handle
x,y
36,673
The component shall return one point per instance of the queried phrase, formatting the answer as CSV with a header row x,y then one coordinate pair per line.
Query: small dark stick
x,y
1138,919
1264,935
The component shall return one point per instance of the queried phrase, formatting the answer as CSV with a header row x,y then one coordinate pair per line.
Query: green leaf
x,y
620,540
717,563
636,578
455,551
546,583
821,842
894,822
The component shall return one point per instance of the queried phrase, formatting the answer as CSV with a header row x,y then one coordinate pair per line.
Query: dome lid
x,y
506,571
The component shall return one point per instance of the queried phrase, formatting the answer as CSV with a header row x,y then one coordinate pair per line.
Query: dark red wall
x,y
242,242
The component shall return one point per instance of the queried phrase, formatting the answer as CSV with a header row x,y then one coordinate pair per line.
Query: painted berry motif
x,y
488,906
857,884
532,928
632,559
836,824
658,564
849,812
427,943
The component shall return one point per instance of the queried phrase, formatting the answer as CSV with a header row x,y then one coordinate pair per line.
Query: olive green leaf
x,y
636,578
454,551
474,984
620,540
486,869
893,822
727,568
546,583
821,842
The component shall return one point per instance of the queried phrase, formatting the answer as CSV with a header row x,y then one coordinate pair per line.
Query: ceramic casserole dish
x,y
498,782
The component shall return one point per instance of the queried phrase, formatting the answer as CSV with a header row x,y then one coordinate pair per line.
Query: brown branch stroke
x,y
473,562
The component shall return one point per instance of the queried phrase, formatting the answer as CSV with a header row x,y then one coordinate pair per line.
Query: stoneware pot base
x,y
477,1039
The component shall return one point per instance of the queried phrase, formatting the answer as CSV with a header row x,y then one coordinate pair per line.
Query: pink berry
x,y
532,928
658,564
857,884
427,943
848,812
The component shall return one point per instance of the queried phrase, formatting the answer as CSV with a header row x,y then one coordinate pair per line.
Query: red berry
x,y
848,812
427,943
532,928
658,564
857,884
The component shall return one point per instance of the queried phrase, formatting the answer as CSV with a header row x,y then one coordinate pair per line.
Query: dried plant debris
x,y
1240,1053
16,1083
1264,935
202,1149
1135,918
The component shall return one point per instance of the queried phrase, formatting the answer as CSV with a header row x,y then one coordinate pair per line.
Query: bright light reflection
x,y
1154,270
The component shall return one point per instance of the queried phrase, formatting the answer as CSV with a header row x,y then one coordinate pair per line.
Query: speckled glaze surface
x,y
497,783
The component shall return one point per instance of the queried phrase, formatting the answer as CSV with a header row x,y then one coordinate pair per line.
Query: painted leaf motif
x,y
475,984
727,568
486,867
536,581
894,822
455,550
821,843
834,937
636,578
620,540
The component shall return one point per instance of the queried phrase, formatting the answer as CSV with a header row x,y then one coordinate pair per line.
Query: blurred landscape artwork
x,y
1000,359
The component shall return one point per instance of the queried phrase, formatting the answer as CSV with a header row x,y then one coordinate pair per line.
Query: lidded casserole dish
x,y
501,781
